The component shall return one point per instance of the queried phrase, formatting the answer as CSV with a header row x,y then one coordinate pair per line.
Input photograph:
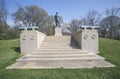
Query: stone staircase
x,y
57,52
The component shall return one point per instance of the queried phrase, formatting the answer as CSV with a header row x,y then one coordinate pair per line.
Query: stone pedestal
x,y
58,31
30,41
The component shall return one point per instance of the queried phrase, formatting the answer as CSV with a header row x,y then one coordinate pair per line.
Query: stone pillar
x,y
58,31
87,40
90,40
30,41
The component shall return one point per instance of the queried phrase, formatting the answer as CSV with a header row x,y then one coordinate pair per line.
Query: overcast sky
x,y
68,9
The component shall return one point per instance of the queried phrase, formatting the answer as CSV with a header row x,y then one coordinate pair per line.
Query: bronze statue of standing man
x,y
56,20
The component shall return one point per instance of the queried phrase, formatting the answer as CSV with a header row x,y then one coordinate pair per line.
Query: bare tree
x,y
110,25
112,12
84,21
3,16
3,11
74,25
49,28
92,17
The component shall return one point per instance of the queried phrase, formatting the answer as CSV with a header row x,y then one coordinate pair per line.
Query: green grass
x,y
110,49
9,51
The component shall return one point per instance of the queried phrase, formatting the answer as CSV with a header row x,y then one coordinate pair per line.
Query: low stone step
x,y
58,56
55,43
58,53
55,47
58,45
57,40
81,59
66,64
63,48
59,50
58,37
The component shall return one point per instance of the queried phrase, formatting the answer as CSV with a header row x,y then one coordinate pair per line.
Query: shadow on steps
x,y
73,44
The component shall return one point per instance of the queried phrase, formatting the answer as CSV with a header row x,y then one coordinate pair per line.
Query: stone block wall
x,y
87,40
30,41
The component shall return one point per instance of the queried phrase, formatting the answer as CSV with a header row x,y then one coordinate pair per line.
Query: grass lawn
x,y
9,51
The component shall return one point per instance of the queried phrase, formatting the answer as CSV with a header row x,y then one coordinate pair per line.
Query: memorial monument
x,y
41,51
58,29
57,22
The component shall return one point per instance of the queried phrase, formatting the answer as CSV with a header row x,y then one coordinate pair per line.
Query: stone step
x,y
58,39
52,37
65,45
58,55
59,50
56,47
57,42
62,46
59,47
56,59
71,64
61,38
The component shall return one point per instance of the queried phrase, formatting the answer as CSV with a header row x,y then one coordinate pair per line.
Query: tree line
x,y
32,15
109,22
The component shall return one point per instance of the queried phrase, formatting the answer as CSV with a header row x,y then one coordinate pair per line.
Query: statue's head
x,y
56,13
